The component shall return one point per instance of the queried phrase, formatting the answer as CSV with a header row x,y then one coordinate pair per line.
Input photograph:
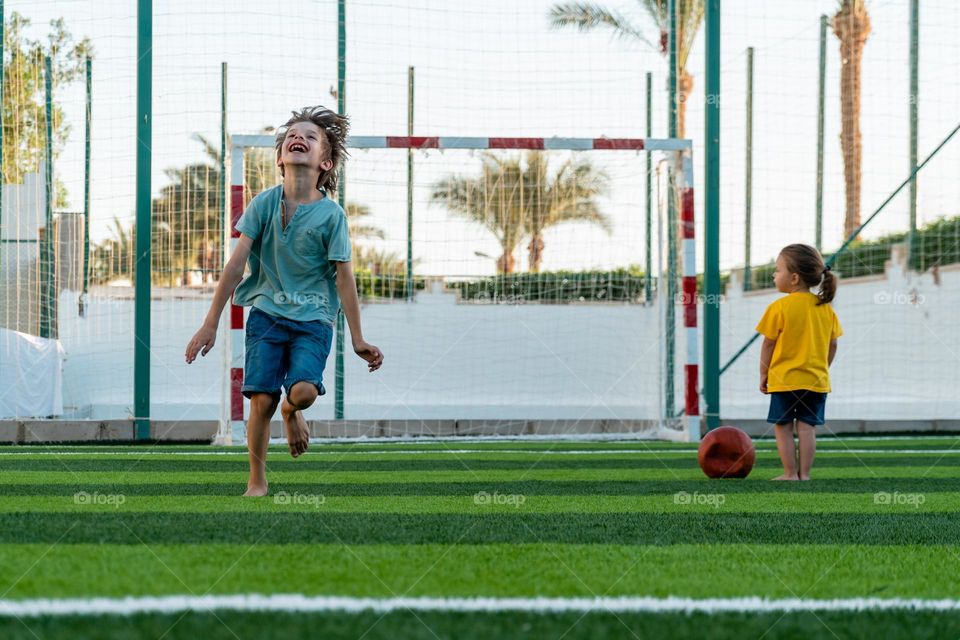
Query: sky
x,y
497,69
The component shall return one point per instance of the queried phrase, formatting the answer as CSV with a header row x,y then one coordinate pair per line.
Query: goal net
x,y
508,282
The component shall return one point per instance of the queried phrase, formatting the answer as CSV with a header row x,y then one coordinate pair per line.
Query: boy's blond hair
x,y
334,128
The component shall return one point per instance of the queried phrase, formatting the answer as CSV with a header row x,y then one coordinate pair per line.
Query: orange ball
x,y
726,452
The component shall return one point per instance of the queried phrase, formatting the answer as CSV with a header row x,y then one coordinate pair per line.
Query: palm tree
x,y
186,219
851,24
486,200
24,107
586,16
567,197
113,257
516,197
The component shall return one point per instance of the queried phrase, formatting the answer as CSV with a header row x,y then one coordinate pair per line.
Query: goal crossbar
x,y
459,142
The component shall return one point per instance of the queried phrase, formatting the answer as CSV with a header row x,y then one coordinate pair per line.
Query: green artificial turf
x,y
503,570
480,626
509,518
710,499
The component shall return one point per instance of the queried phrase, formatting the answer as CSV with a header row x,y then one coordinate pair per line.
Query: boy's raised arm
x,y
350,302
204,339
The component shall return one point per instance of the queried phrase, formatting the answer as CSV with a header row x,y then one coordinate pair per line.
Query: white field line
x,y
296,602
415,452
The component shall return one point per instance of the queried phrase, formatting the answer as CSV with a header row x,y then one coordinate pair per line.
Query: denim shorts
x,y
801,404
281,352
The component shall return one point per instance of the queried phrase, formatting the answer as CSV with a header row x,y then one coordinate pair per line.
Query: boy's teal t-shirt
x,y
291,270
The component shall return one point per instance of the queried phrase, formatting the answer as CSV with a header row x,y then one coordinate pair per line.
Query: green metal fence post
x,y
671,216
342,191
409,284
648,268
87,133
46,249
914,90
711,310
821,105
141,352
225,235
748,181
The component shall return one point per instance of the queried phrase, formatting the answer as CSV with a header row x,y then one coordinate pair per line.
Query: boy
x,y
298,246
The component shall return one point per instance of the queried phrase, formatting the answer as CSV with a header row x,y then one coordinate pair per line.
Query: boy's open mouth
x,y
297,146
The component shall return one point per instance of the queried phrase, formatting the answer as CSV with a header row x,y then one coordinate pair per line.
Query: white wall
x,y
24,214
899,357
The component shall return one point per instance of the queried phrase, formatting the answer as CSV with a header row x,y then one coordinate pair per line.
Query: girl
x,y
800,332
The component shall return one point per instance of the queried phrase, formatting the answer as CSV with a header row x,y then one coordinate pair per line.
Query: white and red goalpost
x,y
678,151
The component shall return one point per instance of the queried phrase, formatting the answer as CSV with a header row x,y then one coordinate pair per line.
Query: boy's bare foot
x,y
802,477
786,477
256,490
295,425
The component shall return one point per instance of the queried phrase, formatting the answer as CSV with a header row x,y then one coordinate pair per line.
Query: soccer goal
x,y
516,285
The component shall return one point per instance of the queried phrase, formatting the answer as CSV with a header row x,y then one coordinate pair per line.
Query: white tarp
x,y
30,375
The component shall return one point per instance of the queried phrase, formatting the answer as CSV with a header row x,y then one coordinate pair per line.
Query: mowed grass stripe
x,y
437,461
406,487
459,463
495,570
463,528
467,626
465,473
483,502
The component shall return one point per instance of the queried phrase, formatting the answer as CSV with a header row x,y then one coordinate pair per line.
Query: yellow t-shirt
x,y
803,331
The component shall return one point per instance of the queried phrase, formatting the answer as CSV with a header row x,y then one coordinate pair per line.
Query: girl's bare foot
x,y
295,425
786,477
804,477
256,490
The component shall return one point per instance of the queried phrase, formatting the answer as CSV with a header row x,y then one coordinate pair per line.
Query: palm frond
x,y
583,212
657,10
212,152
586,16
689,19
356,210
366,231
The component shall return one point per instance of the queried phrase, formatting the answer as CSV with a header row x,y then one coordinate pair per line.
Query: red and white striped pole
x,y
237,424
688,235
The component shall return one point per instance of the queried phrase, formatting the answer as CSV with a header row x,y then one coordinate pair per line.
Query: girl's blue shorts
x,y
803,405
281,352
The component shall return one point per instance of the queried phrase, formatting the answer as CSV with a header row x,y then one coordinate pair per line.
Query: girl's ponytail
x,y
828,287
